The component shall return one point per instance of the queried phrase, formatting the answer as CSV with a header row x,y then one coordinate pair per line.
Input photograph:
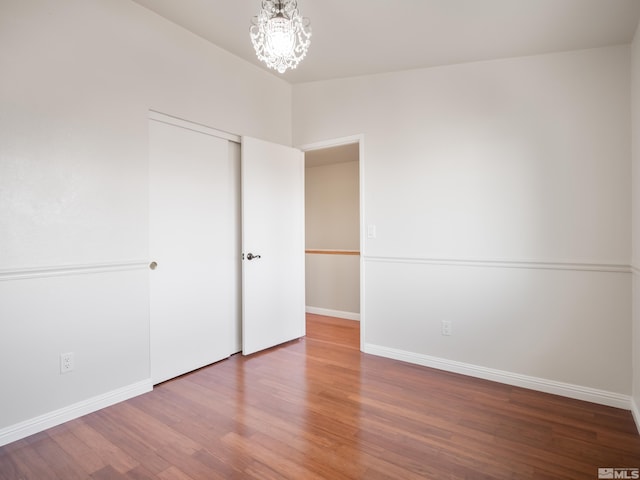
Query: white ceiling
x,y
361,37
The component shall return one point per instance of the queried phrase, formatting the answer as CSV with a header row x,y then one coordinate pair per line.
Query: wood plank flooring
x,y
317,408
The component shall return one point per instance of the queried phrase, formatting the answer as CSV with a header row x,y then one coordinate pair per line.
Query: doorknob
x,y
251,256
153,265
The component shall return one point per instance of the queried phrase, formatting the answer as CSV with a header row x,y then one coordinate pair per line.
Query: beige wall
x,y
332,206
332,222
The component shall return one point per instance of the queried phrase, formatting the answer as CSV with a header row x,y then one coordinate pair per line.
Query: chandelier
x,y
280,36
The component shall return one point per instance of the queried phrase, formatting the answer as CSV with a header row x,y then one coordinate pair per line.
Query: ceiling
x,y
325,156
362,37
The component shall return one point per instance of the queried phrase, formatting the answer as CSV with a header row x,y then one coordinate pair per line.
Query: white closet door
x,y
193,227
273,244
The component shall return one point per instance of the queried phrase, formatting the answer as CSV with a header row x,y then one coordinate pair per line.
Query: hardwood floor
x,y
317,408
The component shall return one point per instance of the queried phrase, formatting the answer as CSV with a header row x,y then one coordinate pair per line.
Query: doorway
x,y
333,228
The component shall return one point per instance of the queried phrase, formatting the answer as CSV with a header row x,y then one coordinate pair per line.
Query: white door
x,y
193,239
273,304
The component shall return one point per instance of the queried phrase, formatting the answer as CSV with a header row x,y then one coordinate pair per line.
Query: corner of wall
x,y
635,221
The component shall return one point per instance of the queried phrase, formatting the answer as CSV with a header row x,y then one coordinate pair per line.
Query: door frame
x,y
337,142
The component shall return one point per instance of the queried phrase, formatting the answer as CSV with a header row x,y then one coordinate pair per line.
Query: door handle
x,y
153,265
251,256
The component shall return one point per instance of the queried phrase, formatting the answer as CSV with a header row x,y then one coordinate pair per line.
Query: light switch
x,y
371,231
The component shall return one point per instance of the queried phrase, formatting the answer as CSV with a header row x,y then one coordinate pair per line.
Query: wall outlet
x,y
446,327
66,362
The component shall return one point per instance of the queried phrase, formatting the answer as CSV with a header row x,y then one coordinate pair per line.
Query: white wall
x,y
78,79
500,191
474,174
332,216
635,142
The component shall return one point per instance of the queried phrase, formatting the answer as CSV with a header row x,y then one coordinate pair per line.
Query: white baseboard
x,y
578,392
635,411
51,419
333,313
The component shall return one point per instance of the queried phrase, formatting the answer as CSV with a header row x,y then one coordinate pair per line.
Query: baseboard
x,y
333,313
51,419
578,392
635,411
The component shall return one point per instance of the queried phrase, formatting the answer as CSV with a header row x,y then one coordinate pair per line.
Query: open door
x,y
273,304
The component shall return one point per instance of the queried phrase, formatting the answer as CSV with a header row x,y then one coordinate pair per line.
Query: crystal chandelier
x,y
280,36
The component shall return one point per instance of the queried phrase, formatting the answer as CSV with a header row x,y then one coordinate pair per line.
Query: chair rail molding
x,y
77,269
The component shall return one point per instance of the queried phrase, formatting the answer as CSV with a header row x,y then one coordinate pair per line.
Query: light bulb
x,y
280,37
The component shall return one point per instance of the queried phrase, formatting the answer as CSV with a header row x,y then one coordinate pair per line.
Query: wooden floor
x,y
317,408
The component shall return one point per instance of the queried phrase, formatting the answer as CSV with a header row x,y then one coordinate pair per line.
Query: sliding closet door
x,y
193,246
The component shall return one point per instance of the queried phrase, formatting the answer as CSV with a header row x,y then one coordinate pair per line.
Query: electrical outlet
x,y
66,362
446,327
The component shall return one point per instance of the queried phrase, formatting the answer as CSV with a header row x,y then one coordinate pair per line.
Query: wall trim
x,y
71,412
333,313
63,270
328,251
523,264
196,127
577,392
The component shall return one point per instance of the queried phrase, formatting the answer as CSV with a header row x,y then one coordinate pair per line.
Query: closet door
x,y
193,228
273,244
